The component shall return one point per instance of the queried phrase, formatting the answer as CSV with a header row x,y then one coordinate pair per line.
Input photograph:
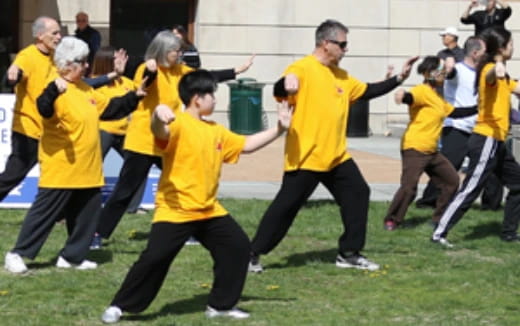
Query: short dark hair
x,y
328,31
473,43
429,63
198,82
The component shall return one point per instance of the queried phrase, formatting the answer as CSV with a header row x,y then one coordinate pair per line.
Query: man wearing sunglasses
x,y
315,148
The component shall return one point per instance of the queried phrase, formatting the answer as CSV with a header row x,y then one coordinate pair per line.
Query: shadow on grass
x,y
195,304
302,259
318,203
415,221
484,230
100,256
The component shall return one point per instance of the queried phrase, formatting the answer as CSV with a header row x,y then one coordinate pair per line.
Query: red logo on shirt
x,y
219,146
92,101
339,89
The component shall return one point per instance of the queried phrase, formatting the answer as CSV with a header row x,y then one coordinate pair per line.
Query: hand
x,y
61,84
151,65
12,73
500,70
245,65
449,64
164,114
291,83
389,71
407,67
399,95
285,113
473,4
120,60
141,90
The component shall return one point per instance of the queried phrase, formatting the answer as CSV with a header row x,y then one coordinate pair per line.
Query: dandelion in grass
x,y
4,293
273,287
132,233
204,285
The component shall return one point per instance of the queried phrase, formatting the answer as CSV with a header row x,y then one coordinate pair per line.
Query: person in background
x,y
427,110
141,151
450,39
69,153
495,14
190,54
89,35
194,149
29,72
113,132
487,151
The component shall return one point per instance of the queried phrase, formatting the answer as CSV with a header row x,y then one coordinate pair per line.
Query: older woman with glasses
x,y
69,153
141,151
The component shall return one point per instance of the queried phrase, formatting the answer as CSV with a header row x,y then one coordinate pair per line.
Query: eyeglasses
x,y
342,45
80,61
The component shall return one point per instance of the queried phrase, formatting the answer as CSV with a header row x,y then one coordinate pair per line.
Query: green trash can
x,y
245,106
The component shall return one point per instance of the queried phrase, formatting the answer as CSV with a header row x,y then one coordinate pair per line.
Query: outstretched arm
x,y
260,139
377,89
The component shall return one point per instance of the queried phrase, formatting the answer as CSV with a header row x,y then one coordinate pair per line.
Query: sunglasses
x,y
342,45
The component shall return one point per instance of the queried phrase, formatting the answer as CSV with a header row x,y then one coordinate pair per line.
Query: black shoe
x,y
510,238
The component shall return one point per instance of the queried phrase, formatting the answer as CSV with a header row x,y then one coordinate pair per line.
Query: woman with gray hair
x,y
69,154
162,55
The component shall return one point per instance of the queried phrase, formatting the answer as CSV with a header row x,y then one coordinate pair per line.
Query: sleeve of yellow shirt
x,y
232,146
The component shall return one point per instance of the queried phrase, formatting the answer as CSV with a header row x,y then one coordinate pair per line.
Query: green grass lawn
x,y
476,283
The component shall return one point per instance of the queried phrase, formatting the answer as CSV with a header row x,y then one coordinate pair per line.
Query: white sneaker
x,y
234,313
111,315
254,265
86,264
14,263
443,242
356,260
192,241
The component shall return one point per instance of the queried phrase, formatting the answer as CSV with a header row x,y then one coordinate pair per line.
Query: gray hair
x,y
473,43
161,44
70,50
328,30
40,25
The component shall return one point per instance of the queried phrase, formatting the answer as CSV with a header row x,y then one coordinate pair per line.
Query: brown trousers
x,y
441,173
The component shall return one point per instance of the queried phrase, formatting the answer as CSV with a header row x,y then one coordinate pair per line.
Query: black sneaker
x,y
510,238
254,264
355,260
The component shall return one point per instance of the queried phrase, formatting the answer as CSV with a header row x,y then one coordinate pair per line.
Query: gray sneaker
x,y
254,265
443,242
234,313
355,260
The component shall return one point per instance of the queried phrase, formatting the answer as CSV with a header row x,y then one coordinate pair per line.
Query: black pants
x,y
455,149
132,175
81,210
347,186
487,156
23,157
222,236
116,142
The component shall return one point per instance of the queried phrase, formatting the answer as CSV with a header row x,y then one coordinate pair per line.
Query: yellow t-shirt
x,y
37,69
316,139
427,114
69,151
493,106
118,87
192,160
163,90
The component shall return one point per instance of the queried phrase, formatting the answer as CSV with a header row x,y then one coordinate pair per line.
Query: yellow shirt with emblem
x,y
37,69
192,161
494,106
69,151
427,114
163,90
118,87
316,139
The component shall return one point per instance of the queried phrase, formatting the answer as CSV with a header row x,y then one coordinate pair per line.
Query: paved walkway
x,y
258,175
